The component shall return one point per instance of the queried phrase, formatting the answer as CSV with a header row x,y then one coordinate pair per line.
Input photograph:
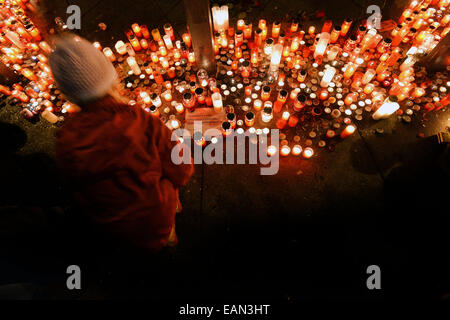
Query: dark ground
x,y
309,232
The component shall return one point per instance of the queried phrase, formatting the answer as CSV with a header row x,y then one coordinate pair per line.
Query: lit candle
x,y
163,50
418,92
368,89
249,119
121,48
389,106
308,153
136,29
271,151
154,111
285,150
187,39
45,47
345,27
168,42
169,31
220,18
248,30
217,101
179,108
164,62
296,150
145,97
348,131
191,57
335,34
299,102
109,54
332,53
322,44
267,114
327,76
265,93
167,95
133,65
135,42
257,105
97,45
368,76
240,24
238,38
276,27
349,70
156,35
174,124
145,32
295,44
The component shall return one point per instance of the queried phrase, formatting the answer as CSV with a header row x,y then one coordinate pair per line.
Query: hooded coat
x,y
117,161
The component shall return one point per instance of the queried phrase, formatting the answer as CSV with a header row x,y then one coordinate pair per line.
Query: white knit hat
x,y
81,71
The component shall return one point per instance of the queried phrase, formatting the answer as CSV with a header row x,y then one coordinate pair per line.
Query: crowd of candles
x,y
268,75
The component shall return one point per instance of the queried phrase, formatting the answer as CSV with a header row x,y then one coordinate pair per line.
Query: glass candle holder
x,y
276,27
282,96
134,66
389,106
109,54
188,100
154,111
156,100
226,129
308,153
335,34
299,102
231,118
250,119
348,131
257,105
267,114
156,35
302,76
217,101
179,108
285,150
265,93
200,94
245,69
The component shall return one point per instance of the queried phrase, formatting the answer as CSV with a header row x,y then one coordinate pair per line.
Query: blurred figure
x,y
116,158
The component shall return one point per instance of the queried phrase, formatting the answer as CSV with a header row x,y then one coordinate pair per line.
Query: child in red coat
x,y
116,157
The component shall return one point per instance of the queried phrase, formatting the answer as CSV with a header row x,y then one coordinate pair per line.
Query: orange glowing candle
x,y
145,32
191,57
35,34
308,153
45,47
144,44
285,150
276,27
418,92
136,29
348,131
346,27
238,52
350,70
240,24
187,39
109,54
156,35
163,51
135,42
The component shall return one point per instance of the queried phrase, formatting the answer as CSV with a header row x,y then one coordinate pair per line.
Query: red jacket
x,y
117,159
